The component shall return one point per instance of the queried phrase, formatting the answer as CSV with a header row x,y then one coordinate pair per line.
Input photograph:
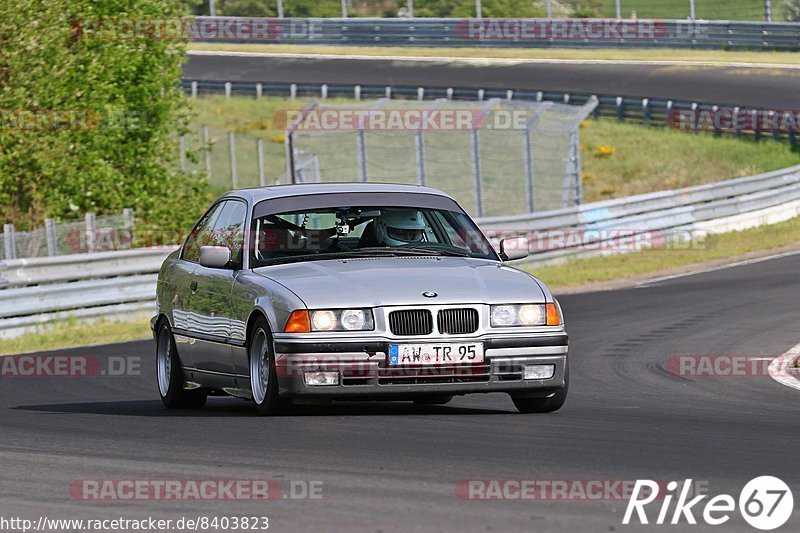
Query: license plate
x,y
435,354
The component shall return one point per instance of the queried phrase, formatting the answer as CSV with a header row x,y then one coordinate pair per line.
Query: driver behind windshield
x,y
398,227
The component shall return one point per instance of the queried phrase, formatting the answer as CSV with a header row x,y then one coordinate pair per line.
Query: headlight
x,y
518,315
342,320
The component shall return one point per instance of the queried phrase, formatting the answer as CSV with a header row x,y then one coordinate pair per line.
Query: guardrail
x,y
539,33
122,283
660,112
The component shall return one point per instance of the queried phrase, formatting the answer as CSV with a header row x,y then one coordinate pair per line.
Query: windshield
x,y
371,231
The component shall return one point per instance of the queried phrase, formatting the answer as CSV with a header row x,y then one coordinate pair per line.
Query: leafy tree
x,y
89,118
792,10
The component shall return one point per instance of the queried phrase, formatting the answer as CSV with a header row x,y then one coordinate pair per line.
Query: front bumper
x,y
363,370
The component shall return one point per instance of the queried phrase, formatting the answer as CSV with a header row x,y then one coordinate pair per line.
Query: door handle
x,y
193,286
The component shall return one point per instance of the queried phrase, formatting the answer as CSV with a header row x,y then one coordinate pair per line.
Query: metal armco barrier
x,y
534,33
120,284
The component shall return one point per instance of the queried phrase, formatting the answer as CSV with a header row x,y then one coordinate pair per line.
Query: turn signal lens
x,y
553,316
298,322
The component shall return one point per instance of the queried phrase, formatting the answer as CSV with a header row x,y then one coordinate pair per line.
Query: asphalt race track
x,y
734,85
393,466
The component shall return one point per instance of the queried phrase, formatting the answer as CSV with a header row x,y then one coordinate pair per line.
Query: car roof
x,y
257,194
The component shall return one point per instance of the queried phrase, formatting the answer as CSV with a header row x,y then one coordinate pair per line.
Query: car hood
x,y
374,282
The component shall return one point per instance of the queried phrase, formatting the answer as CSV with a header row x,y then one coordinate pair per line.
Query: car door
x,y
209,302
184,322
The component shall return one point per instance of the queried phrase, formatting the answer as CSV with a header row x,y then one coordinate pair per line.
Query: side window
x,y
229,228
201,235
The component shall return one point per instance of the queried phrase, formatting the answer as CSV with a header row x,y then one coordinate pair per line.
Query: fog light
x,y
315,379
539,371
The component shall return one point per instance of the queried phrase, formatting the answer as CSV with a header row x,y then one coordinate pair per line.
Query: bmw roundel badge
x,y
429,294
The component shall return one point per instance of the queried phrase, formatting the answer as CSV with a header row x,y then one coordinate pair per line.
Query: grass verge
x,y
645,54
71,334
657,261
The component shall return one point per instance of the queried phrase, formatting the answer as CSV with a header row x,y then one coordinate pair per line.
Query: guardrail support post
x,y
260,154
9,244
449,93
194,89
227,89
388,92
293,91
259,91
620,110
481,94
420,93
324,91
509,95
232,152
357,92
476,173
50,236
646,111
90,232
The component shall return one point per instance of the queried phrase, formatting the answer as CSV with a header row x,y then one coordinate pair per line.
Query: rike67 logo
x,y
765,502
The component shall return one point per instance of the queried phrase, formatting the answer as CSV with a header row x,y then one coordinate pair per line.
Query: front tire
x,y
169,373
263,376
544,405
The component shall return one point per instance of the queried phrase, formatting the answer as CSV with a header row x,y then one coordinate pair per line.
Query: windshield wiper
x,y
454,252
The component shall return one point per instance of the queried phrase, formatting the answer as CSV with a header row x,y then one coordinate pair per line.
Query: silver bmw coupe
x,y
352,291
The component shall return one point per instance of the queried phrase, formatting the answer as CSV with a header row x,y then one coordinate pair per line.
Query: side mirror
x,y
215,256
516,248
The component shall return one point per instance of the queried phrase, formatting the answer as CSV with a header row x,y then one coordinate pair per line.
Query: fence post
x,y
194,89
207,151
227,89
9,242
361,153
127,215
576,146
526,137
549,6
618,9
476,173
90,232
182,149
288,146
260,154
50,236
419,141
232,151
259,91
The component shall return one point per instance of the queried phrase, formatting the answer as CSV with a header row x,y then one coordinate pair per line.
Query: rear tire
x,y
544,405
263,376
169,373
432,400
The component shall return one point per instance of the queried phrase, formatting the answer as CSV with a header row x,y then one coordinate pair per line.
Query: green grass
x,y
622,266
618,159
646,54
751,10
70,334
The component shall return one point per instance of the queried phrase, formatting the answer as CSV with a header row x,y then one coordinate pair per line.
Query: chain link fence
x,y
93,233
